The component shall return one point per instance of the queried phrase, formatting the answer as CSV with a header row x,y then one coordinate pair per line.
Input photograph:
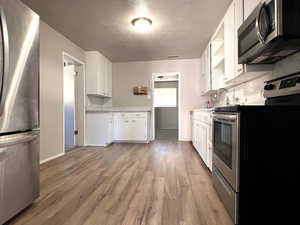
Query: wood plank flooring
x,y
162,183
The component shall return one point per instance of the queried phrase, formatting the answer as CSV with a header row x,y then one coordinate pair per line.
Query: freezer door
x,y
19,67
19,173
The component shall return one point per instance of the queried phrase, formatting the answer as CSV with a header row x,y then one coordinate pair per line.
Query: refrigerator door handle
x,y
18,139
5,55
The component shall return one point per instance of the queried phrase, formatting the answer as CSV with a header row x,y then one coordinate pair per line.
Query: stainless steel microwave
x,y
270,33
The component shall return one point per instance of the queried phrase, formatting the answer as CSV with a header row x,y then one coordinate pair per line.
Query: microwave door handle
x,y
259,35
5,55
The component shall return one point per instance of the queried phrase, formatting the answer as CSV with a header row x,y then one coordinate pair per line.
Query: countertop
x,y
119,109
203,110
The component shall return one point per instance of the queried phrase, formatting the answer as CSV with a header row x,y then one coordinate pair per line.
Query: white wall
x,y
131,74
52,46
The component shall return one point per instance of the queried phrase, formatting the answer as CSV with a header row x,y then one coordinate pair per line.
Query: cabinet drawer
x,y
130,115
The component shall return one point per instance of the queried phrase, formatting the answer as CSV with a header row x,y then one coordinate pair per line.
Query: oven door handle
x,y
230,119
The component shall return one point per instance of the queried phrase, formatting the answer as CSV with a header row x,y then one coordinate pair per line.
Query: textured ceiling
x,y
180,27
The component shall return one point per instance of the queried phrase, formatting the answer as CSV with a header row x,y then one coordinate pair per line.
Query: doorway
x,y
72,72
166,106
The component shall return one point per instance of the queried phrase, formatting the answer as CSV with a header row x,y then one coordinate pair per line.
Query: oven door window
x,y
223,142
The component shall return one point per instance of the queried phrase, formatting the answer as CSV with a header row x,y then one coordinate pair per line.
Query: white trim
x,y
73,58
51,158
186,139
97,145
154,75
65,54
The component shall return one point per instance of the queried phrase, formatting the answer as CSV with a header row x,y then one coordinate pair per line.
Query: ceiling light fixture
x,y
142,24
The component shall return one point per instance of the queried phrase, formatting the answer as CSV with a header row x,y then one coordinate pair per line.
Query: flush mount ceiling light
x,y
142,24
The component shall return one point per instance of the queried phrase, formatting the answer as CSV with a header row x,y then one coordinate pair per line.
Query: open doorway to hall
x,y
166,106
73,72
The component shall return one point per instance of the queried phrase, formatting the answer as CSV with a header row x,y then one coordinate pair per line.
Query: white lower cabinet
x,y
99,128
131,127
104,128
122,129
202,128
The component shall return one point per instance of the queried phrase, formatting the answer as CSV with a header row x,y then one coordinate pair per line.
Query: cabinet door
x,y
249,6
92,73
122,130
229,43
109,79
110,131
139,129
239,19
102,82
198,137
207,69
194,133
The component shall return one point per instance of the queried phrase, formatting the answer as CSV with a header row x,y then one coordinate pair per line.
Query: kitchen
x,y
101,159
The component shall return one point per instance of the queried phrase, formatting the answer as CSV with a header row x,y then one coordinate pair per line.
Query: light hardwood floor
x,y
162,183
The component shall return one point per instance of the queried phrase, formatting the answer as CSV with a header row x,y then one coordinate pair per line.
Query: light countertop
x,y
203,110
118,109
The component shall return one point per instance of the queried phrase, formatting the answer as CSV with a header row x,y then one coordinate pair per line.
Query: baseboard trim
x,y
51,158
185,139
132,142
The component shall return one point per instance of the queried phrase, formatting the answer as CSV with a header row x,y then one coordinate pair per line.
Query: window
x,y
165,97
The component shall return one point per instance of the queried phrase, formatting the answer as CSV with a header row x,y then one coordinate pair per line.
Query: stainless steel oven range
x,y
226,158
256,156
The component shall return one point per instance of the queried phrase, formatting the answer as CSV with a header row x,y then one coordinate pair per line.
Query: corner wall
x,y
52,46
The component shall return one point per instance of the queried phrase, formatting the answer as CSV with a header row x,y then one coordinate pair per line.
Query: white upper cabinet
x,y
205,71
249,6
218,58
93,74
98,75
230,43
109,79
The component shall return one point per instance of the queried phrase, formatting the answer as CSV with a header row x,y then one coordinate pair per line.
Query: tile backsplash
x,y
251,93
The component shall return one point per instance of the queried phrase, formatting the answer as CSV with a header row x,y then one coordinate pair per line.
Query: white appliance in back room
x,y
19,108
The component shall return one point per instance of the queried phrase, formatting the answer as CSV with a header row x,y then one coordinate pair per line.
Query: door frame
x,y
179,102
79,100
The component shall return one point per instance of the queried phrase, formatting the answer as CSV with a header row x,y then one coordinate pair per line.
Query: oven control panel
x,y
287,85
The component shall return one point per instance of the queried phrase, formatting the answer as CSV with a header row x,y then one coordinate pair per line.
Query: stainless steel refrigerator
x,y
19,107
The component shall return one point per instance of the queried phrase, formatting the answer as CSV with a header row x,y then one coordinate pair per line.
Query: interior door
x,y
69,107
19,74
